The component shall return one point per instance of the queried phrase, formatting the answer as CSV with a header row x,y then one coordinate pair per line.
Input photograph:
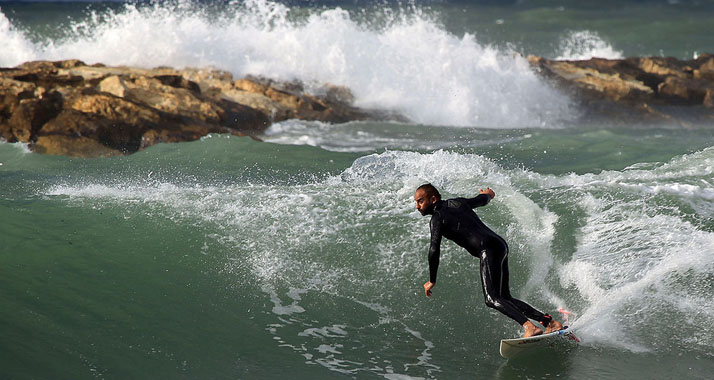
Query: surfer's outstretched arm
x,y
485,196
434,253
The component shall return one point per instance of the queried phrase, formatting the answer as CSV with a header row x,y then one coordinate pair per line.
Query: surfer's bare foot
x,y
531,329
553,326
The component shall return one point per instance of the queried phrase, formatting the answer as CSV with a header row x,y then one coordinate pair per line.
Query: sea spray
x,y
585,44
411,64
642,256
16,48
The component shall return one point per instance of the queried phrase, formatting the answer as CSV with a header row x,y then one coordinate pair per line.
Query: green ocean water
x,y
232,258
302,255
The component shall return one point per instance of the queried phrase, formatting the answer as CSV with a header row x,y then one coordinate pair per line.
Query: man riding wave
x,y
455,220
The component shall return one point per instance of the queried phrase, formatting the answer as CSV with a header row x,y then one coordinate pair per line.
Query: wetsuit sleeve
x,y
478,201
434,248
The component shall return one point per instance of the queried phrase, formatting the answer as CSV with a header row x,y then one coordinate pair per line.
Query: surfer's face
x,y
424,202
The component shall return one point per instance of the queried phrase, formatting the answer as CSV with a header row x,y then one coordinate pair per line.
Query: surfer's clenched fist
x,y
488,191
427,288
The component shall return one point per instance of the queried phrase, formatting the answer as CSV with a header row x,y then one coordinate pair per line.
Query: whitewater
x,y
410,64
300,254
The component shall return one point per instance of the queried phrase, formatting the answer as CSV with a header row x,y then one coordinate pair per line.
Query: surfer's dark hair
x,y
430,190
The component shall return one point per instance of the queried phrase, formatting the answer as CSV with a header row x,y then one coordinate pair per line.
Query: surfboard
x,y
512,347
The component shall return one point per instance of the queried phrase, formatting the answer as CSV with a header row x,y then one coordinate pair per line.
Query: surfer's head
x,y
426,197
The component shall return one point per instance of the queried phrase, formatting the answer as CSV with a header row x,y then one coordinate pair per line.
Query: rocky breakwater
x,y
70,108
640,90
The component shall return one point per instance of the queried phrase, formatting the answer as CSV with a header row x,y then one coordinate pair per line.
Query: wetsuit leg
x,y
496,289
492,281
527,310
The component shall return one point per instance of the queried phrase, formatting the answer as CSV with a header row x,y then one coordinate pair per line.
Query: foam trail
x,y
411,64
640,262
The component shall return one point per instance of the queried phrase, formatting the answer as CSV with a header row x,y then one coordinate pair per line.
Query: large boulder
x,y
12,92
74,109
706,68
651,89
73,146
31,114
114,134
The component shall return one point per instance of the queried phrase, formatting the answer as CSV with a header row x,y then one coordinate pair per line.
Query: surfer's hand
x,y
427,288
488,191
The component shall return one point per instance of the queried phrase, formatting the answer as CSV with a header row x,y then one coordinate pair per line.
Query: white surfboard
x,y
513,347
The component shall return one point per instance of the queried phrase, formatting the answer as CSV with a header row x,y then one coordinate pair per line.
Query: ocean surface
x,y
302,256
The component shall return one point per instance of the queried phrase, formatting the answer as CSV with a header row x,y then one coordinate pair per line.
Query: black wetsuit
x,y
455,220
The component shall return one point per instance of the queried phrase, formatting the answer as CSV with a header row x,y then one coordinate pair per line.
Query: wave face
x,y
322,252
407,61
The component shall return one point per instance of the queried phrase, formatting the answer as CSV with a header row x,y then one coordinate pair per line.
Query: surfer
x,y
456,220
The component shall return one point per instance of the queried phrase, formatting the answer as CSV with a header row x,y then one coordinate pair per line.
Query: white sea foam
x,y
639,259
412,65
24,148
630,266
636,260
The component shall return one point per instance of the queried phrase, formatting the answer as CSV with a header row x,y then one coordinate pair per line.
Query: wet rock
x,y
113,85
706,69
73,147
650,89
30,114
12,92
283,101
76,127
74,109
679,90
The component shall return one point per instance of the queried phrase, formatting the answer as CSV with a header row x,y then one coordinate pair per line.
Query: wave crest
x,y
407,61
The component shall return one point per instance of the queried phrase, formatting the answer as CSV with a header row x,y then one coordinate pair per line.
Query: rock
x,y
117,135
663,66
243,119
94,74
339,94
596,77
171,100
12,92
112,108
209,79
178,81
72,147
70,108
651,89
708,100
249,85
45,74
30,114
257,101
705,70
175,132
282,101
113,85
682,91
